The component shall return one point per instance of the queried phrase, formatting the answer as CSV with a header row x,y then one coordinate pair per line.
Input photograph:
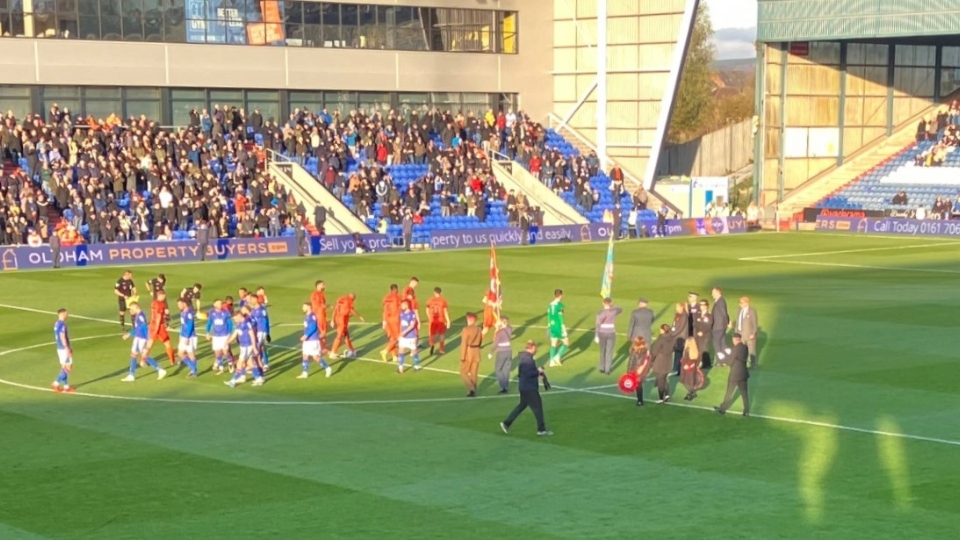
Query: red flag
x,y
495,294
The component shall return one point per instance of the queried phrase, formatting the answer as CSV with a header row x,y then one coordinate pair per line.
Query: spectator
x,y
900,199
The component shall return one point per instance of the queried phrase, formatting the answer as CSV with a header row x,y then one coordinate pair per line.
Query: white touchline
x,y
845,251
561,389
862,266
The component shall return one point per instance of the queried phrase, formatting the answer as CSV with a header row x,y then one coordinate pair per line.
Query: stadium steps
x,y
829,183
630,180
514,177
340,219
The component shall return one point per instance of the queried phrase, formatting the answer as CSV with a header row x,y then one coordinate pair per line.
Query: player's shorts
x,y
160,335
187,345
408,343
310,349
246,352
122,303
343,327
219,343
261,338
437,328
557,332
139,345
489,320
64,356
322,324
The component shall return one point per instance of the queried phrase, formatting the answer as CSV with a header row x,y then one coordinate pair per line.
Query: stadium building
x,y
605,72
843,86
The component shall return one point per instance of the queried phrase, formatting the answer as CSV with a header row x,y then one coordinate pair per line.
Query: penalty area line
x,y
560,390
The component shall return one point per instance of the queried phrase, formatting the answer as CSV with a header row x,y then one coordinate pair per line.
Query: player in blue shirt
x,y
310,343
64,352
245,334
188,336
409,336
219,330
258,312
138,352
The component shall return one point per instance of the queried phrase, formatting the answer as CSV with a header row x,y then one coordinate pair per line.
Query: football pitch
x,y
854,430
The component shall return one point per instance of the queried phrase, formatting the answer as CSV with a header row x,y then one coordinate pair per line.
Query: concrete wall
x,y
75,62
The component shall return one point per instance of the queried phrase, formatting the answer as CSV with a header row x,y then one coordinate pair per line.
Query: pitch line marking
x,y
589,391
862,266
845,251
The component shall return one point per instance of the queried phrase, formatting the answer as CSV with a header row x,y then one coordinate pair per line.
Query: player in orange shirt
x,y
391,322
490,304
439,315
410,295
318,303
342,311
159,315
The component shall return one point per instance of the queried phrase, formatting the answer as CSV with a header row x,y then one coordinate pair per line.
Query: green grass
x,y
854,435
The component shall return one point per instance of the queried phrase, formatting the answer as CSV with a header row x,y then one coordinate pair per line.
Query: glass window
x,y
15,99
150,109
413,102
65,97
182,100
446,101
367,19
89,25
101,93
141,93
101,109
132,20
311,101
267,102
951,57
174,23
408,32
67,21
476,103
340,101
329,17
314,20
507,38
16,26
60,92
349,19
111,27
374,102
293,23
226,98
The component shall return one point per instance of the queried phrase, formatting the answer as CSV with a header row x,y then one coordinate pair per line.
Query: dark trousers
x,y
720,344
734,385
662,387
528,398
640,391
202,246
677,355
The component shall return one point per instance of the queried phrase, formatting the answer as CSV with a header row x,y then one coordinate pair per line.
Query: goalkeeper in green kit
x,y
559,341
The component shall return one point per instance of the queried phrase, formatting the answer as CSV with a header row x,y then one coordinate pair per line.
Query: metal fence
x,y
715,154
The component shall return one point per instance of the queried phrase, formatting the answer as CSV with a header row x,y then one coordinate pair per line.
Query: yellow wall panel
x,y
875,111
852,140
585,8
772,111
651,86
623,57
646,7
813,80
622,86
649,114
564,60
655,56
587,59
623,30
622,115
853,111
564,34
565,88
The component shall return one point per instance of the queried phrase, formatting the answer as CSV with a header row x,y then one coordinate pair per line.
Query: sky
x,y
735,27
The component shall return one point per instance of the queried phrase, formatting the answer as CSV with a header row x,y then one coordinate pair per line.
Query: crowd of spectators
x,y
109,180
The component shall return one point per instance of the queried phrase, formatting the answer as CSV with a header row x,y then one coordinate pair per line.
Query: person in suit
x,y
641,321
680,331
661,354
737,380
529,375
55,249
470,342
606,330
693,309
702,330
639,363
721,323
747,326
300,233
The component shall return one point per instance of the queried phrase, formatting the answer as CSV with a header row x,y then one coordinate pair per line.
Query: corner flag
x,y
606,286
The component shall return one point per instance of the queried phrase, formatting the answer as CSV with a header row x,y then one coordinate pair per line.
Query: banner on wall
x,y
133,253
235,22
810,215
594,232
889,226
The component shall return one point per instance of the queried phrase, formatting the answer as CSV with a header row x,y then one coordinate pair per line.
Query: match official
x,y
606,334
55,249
529,385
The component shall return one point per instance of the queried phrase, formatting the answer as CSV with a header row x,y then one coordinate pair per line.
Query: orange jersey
x,y
410,295
391,308
436,309
343,309
158,315
318,302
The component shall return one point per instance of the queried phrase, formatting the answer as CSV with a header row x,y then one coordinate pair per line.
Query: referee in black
x,y
529,385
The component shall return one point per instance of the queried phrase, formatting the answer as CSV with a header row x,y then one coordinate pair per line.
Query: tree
x,y
694,106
